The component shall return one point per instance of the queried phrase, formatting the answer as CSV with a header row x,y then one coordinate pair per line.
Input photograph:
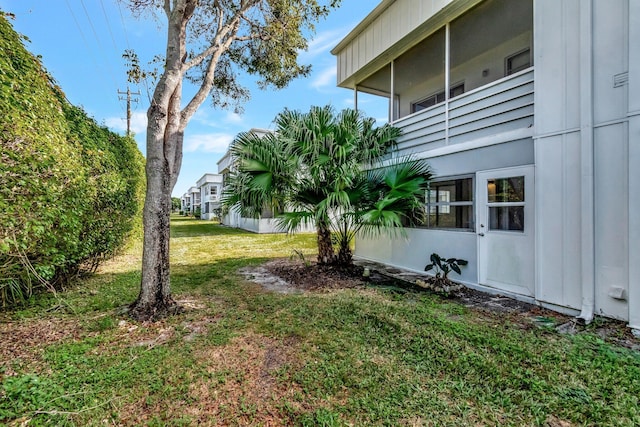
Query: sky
x,y
81,43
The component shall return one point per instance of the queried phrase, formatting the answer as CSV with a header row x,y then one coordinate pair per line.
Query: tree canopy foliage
x,y
70,189
325,169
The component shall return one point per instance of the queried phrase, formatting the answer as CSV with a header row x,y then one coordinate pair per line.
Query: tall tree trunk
x,y
154,300
326,255
165,132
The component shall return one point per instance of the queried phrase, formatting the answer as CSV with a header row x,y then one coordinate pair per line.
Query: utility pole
x,y
128,99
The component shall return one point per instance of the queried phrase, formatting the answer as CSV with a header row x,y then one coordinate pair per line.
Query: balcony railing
x,y
501,106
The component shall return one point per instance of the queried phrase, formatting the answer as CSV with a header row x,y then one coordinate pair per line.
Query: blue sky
x,y
82,41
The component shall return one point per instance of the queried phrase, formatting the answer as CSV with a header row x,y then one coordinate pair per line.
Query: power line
x,y
106,18
100,48
84,39
124,27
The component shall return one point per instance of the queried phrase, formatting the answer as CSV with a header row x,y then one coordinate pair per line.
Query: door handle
x,y
481,234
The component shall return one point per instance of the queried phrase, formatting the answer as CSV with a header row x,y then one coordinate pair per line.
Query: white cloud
x,y
325,78
138,122
348,101
233,118
323,43
209,143
204,117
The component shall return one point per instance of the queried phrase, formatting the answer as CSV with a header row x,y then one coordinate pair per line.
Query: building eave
x,y
447,14
384,5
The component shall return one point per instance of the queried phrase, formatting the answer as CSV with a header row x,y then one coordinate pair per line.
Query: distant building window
x,y
437,98
450,204
518,61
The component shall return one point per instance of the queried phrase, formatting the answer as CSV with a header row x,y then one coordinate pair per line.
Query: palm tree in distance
x,y
325,170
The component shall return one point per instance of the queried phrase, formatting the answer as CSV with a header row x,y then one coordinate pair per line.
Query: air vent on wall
x,y
621,79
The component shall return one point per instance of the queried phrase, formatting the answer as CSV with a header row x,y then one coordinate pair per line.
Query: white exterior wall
x,y
261,225
586,139
413,251
558,152
585,208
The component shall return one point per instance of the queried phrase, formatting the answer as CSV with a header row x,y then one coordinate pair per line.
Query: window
x,y
506,203
450,204
517,62
437,98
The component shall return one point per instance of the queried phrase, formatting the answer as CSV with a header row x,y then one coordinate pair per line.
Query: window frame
x,y
436,96
507,204
507,61
471,203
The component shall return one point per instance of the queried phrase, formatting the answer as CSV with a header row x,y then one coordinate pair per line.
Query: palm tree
x,y
388,198
319,169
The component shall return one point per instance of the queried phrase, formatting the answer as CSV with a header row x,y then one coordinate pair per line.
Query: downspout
x,y
587,164
634,168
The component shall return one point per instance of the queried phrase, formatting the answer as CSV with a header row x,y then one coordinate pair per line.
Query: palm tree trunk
x,y
326,255
345,256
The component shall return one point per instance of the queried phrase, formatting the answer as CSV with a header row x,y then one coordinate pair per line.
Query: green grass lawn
x,y
241,356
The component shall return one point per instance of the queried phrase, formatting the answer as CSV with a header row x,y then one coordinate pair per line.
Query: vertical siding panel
x,y
610,55
370,43
550,52
611,217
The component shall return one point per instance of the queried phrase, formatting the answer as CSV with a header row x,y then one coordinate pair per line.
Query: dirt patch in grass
x,y
312,276
243,384
23,342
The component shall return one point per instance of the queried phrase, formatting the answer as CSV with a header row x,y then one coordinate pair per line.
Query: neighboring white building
x,y
529,113
266,223
185,202
194,198
210,187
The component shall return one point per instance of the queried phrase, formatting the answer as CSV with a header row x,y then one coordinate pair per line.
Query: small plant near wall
x,y
442,267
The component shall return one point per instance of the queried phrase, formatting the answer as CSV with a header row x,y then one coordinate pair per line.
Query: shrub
x,y
70,190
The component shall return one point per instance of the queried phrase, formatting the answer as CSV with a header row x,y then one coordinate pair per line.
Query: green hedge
x,y
70,190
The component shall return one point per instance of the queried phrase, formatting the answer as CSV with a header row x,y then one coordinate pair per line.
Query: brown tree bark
x,y
326,254
165,133
345,256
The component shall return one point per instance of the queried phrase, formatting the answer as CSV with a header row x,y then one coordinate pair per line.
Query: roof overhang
x,y
448,13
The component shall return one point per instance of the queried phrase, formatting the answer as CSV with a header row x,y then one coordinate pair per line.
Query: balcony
x,y
502,106
461,73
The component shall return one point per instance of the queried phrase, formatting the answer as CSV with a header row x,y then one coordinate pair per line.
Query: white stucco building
x,y
529,113
210,188
266,223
